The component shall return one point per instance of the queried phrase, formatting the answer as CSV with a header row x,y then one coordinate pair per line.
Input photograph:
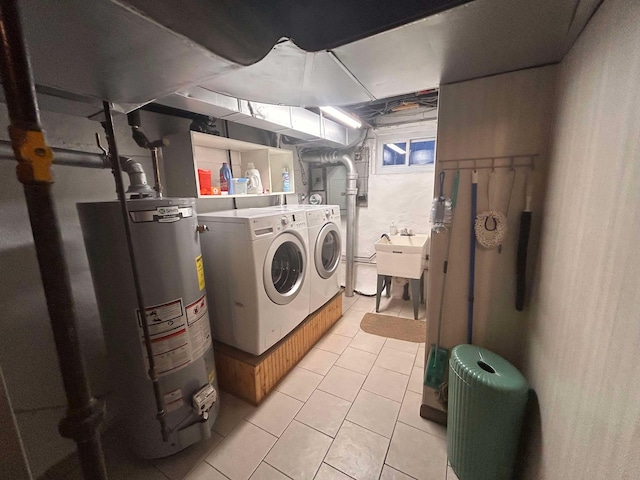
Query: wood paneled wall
x,y
503,115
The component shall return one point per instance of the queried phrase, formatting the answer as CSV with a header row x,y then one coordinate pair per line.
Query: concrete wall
x,y
503,115
27,352
583,337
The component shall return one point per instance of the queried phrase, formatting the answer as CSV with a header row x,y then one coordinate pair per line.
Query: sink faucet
x,y
406,232
386,236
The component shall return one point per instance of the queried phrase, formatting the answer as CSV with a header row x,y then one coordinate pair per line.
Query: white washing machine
x,y
257,272
325,249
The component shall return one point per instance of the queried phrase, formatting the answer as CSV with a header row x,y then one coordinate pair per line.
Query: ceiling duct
x,y
294,122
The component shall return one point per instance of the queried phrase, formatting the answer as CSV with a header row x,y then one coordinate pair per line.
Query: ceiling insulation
x,y
328,52
481,38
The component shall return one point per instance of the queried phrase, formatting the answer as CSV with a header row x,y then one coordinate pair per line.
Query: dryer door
x,y
328,249
284,268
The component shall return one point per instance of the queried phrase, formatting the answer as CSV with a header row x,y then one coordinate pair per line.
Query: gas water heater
x,y
166,246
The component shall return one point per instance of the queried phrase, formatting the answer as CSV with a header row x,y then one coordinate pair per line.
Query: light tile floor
x,y
348,410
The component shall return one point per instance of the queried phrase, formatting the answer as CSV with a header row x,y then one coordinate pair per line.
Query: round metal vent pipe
x,y
334,157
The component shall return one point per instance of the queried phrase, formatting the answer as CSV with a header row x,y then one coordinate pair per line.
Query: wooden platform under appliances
x,y
253,377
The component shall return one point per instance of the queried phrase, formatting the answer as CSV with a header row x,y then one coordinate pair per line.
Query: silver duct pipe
x,y
352,191
137,178
73,158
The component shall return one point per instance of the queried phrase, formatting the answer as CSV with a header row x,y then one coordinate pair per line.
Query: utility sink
x,y
402,255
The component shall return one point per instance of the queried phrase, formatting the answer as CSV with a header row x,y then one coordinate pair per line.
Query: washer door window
x,y
284,268
328,250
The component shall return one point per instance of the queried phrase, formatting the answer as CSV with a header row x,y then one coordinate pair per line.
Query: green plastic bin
x,y
487,398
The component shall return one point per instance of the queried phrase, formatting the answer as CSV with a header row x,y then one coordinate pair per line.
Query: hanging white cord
x,y
490,226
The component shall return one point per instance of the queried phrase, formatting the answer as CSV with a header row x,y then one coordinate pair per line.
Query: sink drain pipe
x,y
334,157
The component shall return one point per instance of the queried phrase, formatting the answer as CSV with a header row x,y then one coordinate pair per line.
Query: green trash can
x,y
487,398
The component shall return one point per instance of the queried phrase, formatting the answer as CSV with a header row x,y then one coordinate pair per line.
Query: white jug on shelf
x,y
253,175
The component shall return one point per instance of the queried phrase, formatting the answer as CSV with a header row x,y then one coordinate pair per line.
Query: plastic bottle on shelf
x,y
255,182
393,230
286,180
225,179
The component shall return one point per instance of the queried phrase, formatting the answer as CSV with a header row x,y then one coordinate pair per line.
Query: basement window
x,y
422,152
406,155
394,154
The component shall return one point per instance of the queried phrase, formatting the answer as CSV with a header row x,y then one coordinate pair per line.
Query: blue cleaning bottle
x,y
226,185
286,180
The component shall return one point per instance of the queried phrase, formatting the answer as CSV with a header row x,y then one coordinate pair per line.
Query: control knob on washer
x,y
285,221
327,213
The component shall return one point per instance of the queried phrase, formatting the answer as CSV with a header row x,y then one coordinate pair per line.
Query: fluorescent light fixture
x,y
342,117
395,148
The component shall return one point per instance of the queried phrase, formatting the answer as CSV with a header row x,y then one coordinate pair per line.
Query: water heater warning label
x,y
179,335
164,318
199,327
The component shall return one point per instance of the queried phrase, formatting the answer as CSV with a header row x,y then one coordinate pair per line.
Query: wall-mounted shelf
x,y
187,152
243,195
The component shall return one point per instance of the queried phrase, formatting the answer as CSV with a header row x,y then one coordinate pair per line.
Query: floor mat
x,y
394,327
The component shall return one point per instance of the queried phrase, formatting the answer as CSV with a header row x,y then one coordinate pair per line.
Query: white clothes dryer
x,y
325,245
257,272
325,249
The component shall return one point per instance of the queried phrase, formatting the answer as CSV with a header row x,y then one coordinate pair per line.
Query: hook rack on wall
x,y
491,163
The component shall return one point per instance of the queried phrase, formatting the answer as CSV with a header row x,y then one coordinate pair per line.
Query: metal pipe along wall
x,y
72,158
352,191
62,156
